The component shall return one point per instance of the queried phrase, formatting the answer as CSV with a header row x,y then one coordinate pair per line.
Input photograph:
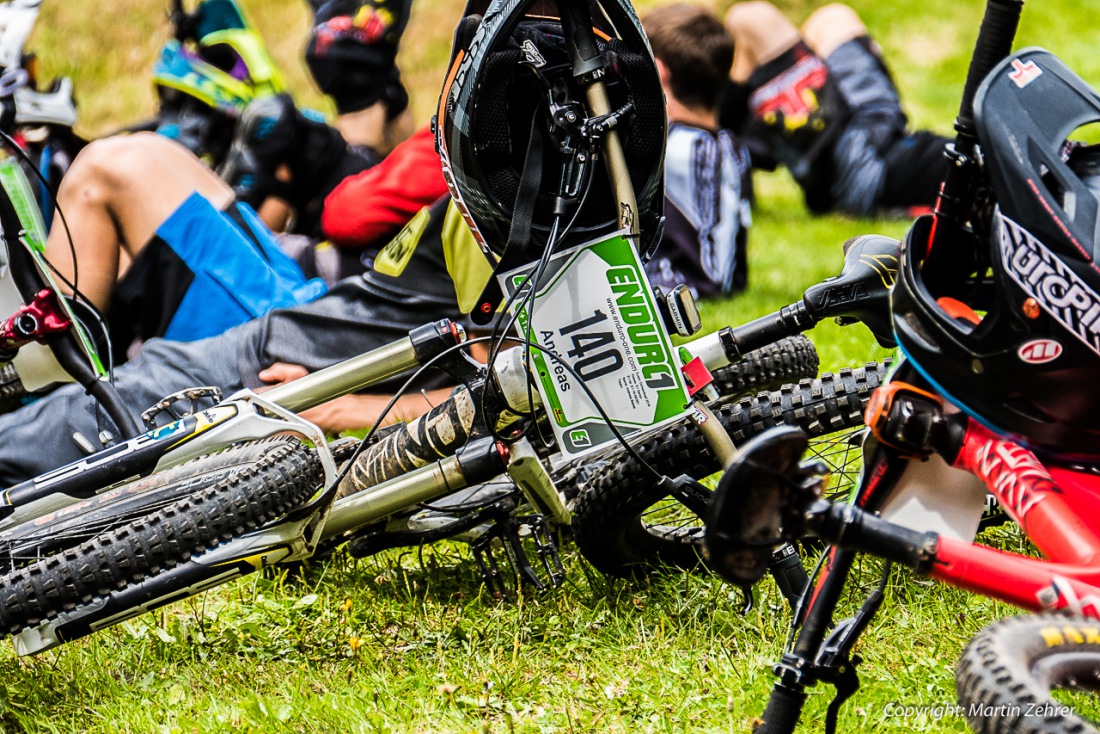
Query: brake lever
x,y
862,290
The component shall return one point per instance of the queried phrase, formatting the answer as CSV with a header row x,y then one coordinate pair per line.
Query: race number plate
x,y
595,312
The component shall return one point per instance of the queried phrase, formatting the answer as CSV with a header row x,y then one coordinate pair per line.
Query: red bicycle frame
x,y
1058,509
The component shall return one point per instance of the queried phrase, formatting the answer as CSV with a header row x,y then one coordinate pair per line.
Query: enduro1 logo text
x,y
595,316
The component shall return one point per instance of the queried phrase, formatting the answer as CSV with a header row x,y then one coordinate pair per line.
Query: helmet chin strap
x,y
517,250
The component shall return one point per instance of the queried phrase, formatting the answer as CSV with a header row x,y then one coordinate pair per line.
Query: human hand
x,y
281,373
361,412
350,413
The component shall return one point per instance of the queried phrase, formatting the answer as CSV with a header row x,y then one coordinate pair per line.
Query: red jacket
x,y
369,208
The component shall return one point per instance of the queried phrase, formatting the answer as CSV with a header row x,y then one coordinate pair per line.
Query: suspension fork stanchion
x,y
466,415
478,461
589,69
360,372
716,437
616,160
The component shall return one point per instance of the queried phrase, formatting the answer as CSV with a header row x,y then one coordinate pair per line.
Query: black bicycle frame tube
x,y
994,43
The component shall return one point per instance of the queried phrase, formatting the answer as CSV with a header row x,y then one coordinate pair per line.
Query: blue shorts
x,y
205,271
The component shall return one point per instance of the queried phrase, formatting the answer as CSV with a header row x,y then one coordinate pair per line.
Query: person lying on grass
x,y
820,101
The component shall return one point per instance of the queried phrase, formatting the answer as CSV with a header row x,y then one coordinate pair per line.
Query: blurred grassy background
x,y
108,47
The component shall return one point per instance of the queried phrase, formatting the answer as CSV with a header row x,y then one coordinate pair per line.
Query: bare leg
x,y
831,26
369,127
117,193
760,33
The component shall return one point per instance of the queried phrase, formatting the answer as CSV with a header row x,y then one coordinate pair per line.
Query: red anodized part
x,y
697,376
34,321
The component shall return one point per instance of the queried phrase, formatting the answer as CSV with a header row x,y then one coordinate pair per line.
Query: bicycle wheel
x,y
624,525
106,543
768,368
1007,674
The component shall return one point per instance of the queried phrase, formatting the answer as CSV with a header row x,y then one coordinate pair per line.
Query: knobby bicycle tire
x,y
768,368
611,522
1006,673
175,517
72,525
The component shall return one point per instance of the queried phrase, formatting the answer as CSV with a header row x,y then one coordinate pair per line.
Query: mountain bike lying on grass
x,y
85,548
1003,401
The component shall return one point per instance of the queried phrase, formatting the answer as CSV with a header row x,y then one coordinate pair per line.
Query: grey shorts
x,y
874,122
877,165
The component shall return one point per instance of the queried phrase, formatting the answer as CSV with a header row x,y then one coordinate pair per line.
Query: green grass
x,y
408,642
398,644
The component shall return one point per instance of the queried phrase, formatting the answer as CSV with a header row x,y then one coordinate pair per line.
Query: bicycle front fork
x,y
823,652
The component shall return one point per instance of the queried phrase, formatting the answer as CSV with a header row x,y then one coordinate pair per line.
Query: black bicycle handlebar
x,y
576,22
860,293
994,43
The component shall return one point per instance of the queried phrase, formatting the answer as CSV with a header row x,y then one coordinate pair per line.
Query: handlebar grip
x,y
994,43
576,20
737,341
782,712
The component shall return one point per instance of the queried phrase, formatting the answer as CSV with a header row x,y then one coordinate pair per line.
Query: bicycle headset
x,y
1030,366
509,74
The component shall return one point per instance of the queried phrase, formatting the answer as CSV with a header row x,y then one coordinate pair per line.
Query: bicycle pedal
x,y
546,550
491,575
180,405
503,554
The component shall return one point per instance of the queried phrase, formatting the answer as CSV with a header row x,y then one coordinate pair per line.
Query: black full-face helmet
x,y
1019,350
509,62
